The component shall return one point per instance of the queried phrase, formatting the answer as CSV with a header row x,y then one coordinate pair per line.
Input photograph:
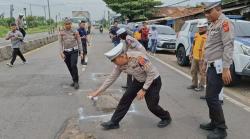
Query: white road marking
x,y
241,105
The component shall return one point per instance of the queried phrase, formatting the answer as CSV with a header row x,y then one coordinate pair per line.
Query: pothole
x,y
71,130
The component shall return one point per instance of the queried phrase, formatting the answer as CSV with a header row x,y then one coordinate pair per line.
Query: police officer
x,y
218,56
147,83
70,45
132,44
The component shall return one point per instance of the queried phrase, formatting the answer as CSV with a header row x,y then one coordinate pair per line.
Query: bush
x,y
6,21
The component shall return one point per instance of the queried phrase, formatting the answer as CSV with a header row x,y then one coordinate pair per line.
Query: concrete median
x,y
6,51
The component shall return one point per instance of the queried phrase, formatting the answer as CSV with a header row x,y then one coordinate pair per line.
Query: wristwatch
x,y
145,90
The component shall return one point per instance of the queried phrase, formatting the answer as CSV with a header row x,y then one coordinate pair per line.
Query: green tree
x,y
133,9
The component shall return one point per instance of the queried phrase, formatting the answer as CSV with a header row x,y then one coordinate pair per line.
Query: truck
x,y
81,14
78,16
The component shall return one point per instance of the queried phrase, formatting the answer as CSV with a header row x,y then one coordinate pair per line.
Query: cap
x,y
21,14
120,31
202,24
115,52
211,4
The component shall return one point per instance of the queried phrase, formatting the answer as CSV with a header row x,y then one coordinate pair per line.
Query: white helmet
x,y
120,31
21,14
202,24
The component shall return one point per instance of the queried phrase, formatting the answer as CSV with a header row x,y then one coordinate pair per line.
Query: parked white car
x,y
166,38
241,57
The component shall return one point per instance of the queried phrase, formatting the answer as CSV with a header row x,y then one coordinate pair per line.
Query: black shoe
x,y
207,126
110,125
164,123
76,86
202,97
72,84
191,87
217,134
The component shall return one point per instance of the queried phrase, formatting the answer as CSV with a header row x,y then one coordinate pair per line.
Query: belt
x,y
71,49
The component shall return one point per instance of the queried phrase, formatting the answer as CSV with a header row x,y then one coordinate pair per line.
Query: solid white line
x,y
241,105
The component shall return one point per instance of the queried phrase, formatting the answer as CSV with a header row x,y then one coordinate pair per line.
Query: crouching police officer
x,y
218,56
146,83
70,45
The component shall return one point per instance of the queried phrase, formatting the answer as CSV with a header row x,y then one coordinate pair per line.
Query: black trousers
x,y
85,51
152,99
129,80
17,52
214,86
71,59
22,31
145,44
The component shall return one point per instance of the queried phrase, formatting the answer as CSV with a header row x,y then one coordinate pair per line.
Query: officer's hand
x,y
94,94
190,57
226,76
62,56
141,94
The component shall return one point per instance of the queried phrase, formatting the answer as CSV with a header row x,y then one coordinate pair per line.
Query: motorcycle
x,y
101,29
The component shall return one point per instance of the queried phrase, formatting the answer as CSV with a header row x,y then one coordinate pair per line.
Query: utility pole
x,y
11,10
50,32
30,10
25,12
44,8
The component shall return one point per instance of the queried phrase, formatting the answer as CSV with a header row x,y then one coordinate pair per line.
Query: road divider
x,y
6,51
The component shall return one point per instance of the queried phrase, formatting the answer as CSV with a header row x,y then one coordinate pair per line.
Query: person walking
x,y
16,38
83,34
70,45
144,35
153,35
147,84
218,57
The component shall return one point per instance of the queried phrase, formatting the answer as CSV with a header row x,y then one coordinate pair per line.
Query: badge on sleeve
x,y
225,25
142,61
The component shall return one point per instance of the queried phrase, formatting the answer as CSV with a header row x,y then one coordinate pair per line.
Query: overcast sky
x,y
97,8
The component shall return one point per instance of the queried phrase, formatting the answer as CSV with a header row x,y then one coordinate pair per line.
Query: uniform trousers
x,y
152,98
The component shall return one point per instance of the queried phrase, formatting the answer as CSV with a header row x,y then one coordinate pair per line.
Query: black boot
x,y
217,134
207,126
164,123
192,87
202,97
76,85
110,125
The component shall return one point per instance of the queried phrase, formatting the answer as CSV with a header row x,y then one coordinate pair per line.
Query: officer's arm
x,y
60,38
148,68
79,42
110,79
227,34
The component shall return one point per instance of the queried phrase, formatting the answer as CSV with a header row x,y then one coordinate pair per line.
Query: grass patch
x,y
3,31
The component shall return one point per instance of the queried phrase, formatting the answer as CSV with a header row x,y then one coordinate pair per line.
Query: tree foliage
x,y
133,9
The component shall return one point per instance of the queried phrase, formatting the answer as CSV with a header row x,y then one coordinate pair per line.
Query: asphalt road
x,y
36,100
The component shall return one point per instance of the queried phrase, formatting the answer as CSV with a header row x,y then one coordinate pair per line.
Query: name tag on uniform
x,y
218,66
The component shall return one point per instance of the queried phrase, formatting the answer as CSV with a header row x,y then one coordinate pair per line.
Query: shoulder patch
x,y
142,61
225,26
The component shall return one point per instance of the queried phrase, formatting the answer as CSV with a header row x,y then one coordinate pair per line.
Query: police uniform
x,y
146,77
70,45
219,47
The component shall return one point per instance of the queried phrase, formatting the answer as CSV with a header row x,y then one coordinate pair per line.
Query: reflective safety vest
x,y
199,46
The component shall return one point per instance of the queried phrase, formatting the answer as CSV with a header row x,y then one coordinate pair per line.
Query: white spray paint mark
x,y
241,105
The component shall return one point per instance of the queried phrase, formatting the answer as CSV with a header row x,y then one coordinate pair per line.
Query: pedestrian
x,y
153,35
197,57
218,56
147,84
16,38
20,24
113,35
83,34
131,45
144,35
137,34
70,45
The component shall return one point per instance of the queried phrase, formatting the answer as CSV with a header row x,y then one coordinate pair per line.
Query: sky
x,y
63,8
